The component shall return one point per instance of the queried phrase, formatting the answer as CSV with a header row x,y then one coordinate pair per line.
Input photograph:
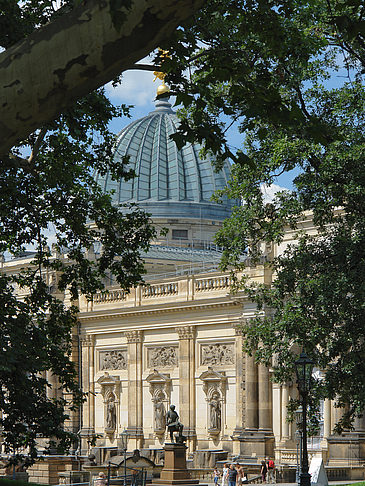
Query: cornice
x,y
139,311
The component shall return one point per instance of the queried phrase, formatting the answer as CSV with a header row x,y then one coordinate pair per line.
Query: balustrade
x,y
167,289
110,296
160,290
213,283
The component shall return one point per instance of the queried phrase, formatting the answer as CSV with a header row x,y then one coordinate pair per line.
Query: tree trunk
x,y
79,52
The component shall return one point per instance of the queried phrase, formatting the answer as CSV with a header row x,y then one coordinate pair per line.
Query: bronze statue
x,y
173,425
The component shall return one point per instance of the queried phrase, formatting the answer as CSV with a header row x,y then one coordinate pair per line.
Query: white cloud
x,y
269,191
137,88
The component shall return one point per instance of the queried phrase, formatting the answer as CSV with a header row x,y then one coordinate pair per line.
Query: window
x,y
179,234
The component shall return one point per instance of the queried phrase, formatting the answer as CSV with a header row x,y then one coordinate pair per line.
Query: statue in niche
x,y
215,412
110,413
160,416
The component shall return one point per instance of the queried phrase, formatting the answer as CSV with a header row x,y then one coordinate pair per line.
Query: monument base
x,y
175,472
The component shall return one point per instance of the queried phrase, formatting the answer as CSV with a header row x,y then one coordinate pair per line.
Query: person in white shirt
x,y
225,475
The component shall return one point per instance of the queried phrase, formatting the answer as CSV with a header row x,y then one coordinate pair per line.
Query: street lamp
x,y
123,437
303,368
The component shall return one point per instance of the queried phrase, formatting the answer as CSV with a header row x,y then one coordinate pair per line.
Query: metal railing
x,y
74,484
134,477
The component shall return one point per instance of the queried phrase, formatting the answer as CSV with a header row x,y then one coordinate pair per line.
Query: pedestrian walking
x,y
239,470
225,475
232,475
270,471
263,471
101,479
216,476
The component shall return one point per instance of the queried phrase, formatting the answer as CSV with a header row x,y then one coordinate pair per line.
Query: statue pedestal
x,y
174,471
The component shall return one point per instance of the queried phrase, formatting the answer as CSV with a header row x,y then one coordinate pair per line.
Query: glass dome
x,y
169,183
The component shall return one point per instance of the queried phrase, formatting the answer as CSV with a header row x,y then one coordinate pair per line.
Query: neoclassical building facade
x,y
177,340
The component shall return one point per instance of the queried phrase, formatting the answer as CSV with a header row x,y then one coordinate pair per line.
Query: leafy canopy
x,y
289,74
53,189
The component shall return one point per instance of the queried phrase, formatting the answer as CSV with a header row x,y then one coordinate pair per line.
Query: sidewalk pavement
x,y
331,483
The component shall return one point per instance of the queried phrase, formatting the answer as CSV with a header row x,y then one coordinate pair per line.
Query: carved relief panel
x,y
162,357
113,360
220,354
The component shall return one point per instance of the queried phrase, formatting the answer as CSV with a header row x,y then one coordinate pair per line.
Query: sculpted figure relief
x,y
217,354
162,357
113,360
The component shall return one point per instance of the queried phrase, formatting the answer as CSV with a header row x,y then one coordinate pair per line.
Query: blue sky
x,y
139,89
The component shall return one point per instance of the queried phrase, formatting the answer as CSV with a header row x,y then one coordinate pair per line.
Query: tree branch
x,y
37,145
82,50
144,67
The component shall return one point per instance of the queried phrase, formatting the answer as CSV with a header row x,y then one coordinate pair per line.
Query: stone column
x,y
74,421
88,407
345,448
53,391
257,438
327,427
284,412
251,395
240,397
135,391
276,411
327,424
187,405
336,414
265,398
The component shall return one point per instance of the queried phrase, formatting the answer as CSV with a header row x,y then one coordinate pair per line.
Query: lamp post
x,y
123,436
303,368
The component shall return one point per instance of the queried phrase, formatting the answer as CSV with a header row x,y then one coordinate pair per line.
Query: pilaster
x,y
187,405
135,392
240,385
88,407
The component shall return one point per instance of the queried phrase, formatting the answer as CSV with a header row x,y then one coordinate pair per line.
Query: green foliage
x,y
53,189
270,68
16,482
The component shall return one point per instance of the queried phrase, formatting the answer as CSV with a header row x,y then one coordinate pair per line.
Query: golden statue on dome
x,y
163,88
